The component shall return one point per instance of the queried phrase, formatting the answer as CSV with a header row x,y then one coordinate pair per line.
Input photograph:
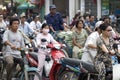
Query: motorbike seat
x,y
34,55
89,67
76,62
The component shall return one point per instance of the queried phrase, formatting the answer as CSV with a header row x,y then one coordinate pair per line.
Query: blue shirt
x,y
55,21
91,25
25,28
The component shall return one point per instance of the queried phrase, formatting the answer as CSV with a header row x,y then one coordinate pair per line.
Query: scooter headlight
x,y
57,46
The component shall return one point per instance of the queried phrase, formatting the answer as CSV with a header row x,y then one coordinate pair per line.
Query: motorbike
x,y
52,65
57,53
76,69
28,73
29,40
2,30
1,65
65,37
33,44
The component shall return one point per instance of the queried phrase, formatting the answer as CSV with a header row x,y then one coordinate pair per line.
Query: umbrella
x,y
31,6
26,5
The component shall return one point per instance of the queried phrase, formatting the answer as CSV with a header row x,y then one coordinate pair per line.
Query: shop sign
x,y
105,7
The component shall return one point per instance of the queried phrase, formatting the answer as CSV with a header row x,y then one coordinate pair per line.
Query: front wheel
x,y
85,76
32,76
65,53
68,75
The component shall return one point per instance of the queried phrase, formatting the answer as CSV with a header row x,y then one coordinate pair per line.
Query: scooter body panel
x,y
57,54
47,67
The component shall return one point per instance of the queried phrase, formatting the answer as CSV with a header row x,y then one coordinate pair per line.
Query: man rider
x,y
12,40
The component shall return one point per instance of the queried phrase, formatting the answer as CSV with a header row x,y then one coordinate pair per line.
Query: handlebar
x,y
24,49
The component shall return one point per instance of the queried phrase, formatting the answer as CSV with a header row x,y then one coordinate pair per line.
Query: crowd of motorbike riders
x,y
91,40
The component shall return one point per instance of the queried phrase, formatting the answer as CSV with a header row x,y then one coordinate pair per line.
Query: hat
x,y
52,7
22,15
98,24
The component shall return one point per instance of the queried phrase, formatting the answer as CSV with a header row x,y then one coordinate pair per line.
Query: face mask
x,y
45,31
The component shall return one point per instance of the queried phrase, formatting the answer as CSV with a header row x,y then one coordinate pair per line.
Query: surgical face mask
x,y
45,31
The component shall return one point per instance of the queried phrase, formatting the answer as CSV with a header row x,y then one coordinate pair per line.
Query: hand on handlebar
x,y
20,49
13,47
112,52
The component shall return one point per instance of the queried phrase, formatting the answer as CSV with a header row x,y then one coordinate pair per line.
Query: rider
x,y
54,19
42,52
102,60
12,40
90,48
79,38
2,22
24,26
35,24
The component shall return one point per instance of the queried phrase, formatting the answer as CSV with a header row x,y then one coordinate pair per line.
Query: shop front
x,y
108,6
115,7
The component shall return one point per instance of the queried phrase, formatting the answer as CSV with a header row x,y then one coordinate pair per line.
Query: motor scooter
x,y
52,65
80,70
57,53
2,30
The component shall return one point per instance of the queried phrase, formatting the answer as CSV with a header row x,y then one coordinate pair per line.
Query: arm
x,y
29,27
90,43
38,40
92,46
7,42
52,39
88,29
102,45
51,28
104,49
76,44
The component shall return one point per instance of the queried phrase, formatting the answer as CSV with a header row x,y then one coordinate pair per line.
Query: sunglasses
x,y
108,30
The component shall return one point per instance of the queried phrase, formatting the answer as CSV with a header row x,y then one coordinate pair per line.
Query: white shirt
x,y
25,28
3,24
48,37
92,39
35,26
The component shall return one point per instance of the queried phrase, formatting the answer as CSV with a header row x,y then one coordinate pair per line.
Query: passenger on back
x,y
79,38
90,48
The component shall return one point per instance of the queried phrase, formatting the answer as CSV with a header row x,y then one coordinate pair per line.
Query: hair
x,y
91,15
106,17
104,26
75,16
13,19
34,16
44,25
77,22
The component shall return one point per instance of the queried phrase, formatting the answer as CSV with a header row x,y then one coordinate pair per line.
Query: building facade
x,y
98,8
